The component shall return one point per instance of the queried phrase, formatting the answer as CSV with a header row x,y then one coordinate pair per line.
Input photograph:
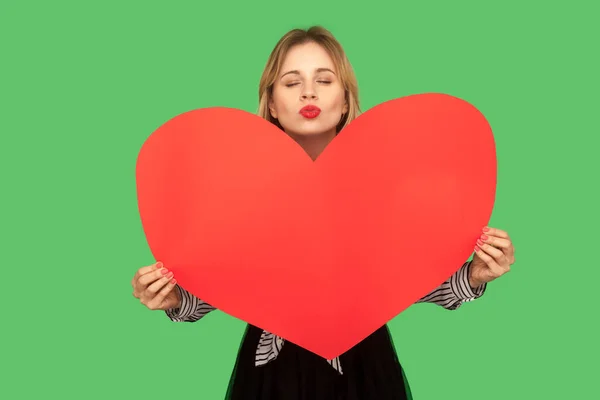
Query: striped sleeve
x,y
455,291
268,348
191,310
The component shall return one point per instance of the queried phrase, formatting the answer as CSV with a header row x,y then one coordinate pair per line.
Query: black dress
x,y
371,370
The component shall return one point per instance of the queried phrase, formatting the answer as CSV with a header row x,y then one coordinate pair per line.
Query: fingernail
x,y
486,229
476,248
484,237
159,265
169,275
164,271
479,242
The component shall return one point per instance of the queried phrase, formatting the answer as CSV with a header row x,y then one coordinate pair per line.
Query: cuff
x,y
189,303
459,282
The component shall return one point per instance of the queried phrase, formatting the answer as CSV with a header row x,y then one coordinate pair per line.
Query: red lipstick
x,y
310,111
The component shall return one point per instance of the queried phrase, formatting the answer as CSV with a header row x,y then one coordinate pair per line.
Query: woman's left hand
x,y
494,254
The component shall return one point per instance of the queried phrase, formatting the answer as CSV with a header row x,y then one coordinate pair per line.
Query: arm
x,y
455,291
191,309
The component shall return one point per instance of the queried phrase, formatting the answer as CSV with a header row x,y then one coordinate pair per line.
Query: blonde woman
x,y
308,90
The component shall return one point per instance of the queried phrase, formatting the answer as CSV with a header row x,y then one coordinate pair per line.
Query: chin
x,y
311,132
312,129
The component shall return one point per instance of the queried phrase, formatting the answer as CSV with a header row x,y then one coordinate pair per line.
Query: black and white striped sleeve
x,y
455,291
191,310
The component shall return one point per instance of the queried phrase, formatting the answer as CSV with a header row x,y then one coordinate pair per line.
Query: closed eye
x,y
296,83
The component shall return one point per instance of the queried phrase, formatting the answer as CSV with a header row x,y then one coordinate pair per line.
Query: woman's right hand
x,y
154,285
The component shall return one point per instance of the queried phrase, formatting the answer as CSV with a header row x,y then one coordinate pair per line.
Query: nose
x,y
308,93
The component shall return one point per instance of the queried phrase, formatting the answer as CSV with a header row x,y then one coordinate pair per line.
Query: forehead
x,y
307,57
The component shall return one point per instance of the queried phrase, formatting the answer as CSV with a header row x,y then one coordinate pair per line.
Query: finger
x,y
495,241
498,255
495,232
159,298
150,277
157,285
502,243
489,260
145,270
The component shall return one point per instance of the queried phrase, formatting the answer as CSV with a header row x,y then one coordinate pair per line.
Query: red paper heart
x,y
321,253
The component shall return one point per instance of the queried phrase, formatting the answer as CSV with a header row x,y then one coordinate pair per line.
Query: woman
x,y
308,89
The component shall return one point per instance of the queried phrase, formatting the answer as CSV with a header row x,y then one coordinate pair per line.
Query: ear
x,y
272,109
345,109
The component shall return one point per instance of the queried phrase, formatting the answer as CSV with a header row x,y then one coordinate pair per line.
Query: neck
x,y
314,144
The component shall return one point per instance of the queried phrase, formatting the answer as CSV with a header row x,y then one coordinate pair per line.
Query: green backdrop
x,y
85,83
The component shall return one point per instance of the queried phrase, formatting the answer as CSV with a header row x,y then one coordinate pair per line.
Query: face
x,y
308,78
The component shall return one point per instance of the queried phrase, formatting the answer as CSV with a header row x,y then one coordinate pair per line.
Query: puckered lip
x,y
309,108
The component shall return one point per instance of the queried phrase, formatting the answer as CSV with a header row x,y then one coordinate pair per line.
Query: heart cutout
x,y
321,253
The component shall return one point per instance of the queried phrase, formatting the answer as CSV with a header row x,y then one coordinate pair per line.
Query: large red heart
x,y
321,253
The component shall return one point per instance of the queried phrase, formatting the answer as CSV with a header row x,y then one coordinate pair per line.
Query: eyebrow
x,y
298,72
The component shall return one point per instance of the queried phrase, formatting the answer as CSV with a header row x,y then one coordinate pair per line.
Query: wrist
x,y
474,283
179,297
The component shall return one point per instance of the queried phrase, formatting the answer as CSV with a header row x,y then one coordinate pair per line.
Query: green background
x,y
84,84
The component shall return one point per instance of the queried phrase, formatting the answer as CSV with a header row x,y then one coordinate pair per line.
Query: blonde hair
x,y
323,37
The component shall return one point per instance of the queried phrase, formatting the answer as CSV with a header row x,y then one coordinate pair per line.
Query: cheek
x,y
283,103
338,100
